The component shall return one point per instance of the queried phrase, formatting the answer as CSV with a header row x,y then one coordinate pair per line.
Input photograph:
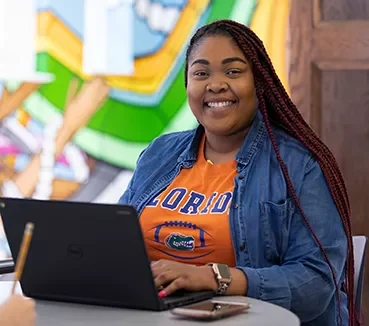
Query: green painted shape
x,y
145,118
130,122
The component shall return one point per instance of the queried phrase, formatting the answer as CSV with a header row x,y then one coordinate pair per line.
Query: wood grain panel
x,y
345,129
316,100
343,41
344,9
300,55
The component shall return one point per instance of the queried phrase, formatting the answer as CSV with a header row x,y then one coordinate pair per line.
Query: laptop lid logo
x,y
75,251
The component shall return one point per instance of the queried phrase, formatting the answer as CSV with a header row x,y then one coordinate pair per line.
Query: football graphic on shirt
x,y
181,240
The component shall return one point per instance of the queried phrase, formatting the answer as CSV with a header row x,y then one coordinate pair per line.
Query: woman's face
x,y
220,87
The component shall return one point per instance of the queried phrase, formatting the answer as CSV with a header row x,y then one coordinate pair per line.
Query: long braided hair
x,y
276,106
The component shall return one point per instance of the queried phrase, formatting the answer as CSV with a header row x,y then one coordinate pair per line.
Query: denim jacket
x,y
272,244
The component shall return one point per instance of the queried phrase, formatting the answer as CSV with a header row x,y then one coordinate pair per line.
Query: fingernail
x,y
162,294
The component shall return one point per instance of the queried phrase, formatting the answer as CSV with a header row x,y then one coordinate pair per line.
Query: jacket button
x,y
236,206
242,247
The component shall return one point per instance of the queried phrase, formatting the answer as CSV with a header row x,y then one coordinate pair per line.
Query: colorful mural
x,y
100,80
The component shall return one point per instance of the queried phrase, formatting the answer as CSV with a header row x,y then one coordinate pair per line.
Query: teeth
x,y
219,104
159,19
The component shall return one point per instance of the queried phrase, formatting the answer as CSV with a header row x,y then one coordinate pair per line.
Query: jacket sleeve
x,y
303,282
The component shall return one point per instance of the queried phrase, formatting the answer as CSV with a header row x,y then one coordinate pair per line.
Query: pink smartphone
x,y
211,309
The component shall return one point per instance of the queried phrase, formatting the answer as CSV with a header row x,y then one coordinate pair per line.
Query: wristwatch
x,y
223,277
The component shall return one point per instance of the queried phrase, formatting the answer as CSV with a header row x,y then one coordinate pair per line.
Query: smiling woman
x,y
269,218
221,94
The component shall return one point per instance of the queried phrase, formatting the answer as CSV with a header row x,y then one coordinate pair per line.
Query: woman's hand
x,y
18,311
172,276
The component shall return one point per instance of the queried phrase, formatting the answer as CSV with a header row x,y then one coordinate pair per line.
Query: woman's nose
x,y
217,87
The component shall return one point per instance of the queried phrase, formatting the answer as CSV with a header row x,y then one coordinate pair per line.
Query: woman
x,y
18,311
252,189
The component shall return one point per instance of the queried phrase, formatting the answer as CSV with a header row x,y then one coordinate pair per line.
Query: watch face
x,y
224,271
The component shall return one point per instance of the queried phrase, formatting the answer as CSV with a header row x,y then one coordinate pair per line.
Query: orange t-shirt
x,y
189,221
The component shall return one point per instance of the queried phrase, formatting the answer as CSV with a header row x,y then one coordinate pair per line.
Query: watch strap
x,y
223,283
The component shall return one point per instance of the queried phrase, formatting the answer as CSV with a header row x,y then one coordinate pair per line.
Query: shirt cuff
x,y
253,282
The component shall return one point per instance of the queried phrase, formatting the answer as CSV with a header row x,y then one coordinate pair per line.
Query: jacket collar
x,y
252,143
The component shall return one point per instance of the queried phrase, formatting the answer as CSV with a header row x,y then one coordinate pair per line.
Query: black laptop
x,y
86,253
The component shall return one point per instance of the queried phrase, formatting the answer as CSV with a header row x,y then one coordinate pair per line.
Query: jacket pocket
x,y
275,226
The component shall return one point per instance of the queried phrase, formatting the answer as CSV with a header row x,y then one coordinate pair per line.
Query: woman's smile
x,y
219,109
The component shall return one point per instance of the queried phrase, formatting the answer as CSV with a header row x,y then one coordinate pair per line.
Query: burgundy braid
x,y
276,106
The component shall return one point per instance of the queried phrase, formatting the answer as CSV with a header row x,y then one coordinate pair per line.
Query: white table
x,y
60,314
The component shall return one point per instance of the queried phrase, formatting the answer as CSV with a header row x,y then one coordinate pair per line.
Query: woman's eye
x,y
233,72
200,73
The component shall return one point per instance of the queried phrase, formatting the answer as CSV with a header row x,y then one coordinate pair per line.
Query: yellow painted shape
x,y
9,161
270,22
279,44
262,21
23,117
56,39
